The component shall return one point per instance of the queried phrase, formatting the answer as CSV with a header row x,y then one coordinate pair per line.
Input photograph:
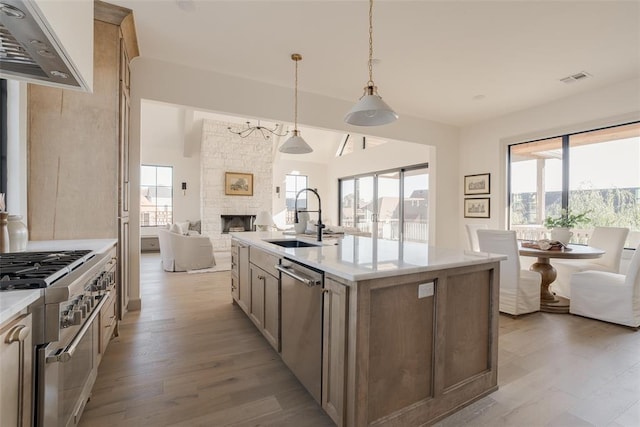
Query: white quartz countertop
x,y
357,257
96,245
12,302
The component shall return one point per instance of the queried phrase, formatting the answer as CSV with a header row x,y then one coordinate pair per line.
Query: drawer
x,y
264,260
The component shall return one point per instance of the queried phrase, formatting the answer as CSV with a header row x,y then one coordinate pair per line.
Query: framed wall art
x,y
477,208
238,184
477,184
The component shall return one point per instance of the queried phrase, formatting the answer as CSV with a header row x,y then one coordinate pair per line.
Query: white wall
x,y
317,178
483,146
163,134
16,198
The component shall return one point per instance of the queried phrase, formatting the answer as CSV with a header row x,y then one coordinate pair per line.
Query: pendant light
x,y
370,110
295,144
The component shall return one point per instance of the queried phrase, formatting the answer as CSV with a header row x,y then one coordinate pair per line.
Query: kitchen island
x,y
408,332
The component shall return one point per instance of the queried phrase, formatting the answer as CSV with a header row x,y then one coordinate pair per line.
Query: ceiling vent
x,y
575,77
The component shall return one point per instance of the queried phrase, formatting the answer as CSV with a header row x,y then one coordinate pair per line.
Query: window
x,y
293,184
156,195
391,204
595,171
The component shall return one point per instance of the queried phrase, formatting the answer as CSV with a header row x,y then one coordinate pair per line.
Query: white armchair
x,y
519,289
609,239
608,296
183,253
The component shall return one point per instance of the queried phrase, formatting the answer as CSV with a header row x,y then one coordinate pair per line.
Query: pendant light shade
x,y
295,144
370,110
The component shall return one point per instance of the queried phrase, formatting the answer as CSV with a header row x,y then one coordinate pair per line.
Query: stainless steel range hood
x,y
30,50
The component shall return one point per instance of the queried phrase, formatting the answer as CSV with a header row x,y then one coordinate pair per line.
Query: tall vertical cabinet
x,y
78,144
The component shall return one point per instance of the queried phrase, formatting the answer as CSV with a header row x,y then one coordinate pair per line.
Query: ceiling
x,y
455,62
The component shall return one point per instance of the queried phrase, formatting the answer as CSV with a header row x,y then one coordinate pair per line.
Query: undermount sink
x,y
290,243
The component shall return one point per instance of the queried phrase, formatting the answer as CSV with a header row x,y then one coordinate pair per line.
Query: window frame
x,y
375,175
566,159
156,166
289,217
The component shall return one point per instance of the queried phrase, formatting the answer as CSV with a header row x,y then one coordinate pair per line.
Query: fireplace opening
x,y
235,223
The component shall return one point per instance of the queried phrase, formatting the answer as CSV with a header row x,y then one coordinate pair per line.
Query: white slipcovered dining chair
x,y
609,239
608,296
519,289
472,235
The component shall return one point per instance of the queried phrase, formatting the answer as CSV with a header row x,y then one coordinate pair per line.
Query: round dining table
x,y
549,302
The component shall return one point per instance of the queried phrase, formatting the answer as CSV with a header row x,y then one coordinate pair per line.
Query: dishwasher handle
x,y
310,282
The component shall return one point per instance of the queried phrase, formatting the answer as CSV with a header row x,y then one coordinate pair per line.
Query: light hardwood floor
x,y
191,358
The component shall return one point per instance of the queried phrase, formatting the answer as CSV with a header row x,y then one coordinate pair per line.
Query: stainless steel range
x,y
66,332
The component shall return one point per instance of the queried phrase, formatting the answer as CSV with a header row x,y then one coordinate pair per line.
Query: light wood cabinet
x,y
16,372
107,324
334,349
78,148
240,275
265,295
256,313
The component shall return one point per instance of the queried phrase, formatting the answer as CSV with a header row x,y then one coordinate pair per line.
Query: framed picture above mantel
x,y
238,184
477,184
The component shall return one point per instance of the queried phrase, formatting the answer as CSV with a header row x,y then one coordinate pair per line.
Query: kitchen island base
x,y
420,346
401,348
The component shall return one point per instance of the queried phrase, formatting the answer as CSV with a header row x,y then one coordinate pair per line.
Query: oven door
x,y
69,373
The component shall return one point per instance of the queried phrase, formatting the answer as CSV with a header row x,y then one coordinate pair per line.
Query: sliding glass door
x,y
389,204
595,172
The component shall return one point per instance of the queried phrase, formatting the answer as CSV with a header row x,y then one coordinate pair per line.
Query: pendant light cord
x,y
295,99
370,82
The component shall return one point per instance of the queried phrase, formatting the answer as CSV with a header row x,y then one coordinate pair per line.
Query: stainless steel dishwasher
x,y
301,327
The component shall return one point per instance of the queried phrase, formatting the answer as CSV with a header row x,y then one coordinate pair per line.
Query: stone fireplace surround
x,y
222,151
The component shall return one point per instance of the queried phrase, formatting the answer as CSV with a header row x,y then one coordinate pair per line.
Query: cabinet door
x,y
108,319
244,279
123,288
235,292
16,372
334,350
258,278
272,311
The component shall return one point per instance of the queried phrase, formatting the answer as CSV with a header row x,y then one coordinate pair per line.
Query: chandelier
x,y
264,131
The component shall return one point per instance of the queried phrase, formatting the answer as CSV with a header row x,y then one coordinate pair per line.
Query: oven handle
x,y
68,352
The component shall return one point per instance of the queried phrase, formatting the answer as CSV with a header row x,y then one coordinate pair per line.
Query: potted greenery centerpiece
x,y
561,226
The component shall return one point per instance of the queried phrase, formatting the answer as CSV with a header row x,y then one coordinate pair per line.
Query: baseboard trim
x,y
134,305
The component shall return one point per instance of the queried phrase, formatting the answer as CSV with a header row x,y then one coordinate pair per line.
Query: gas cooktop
x,y
32,270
